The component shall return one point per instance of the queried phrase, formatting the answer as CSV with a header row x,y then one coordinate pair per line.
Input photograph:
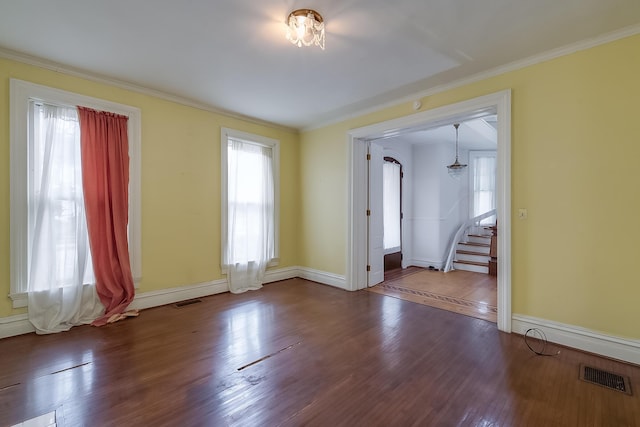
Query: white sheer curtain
x,y
484,186
250,214
61,285
391,205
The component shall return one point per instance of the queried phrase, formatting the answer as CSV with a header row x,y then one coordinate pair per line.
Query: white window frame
x,y
21,93
473,154
274,144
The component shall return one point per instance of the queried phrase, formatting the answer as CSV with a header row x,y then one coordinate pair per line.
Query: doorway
x,y
359,139
392,176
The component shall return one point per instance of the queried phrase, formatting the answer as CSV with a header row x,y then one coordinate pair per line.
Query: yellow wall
x,y
575,120
180,183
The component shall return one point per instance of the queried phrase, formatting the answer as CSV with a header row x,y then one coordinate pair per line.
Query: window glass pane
x,y
483,185
250,208
57,235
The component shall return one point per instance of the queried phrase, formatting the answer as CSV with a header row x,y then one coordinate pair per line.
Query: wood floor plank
x,y
324,357
464,292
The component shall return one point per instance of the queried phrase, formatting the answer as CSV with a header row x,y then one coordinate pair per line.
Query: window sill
x,y
19,300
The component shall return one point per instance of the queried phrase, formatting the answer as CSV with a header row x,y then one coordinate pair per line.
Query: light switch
x,y
522,213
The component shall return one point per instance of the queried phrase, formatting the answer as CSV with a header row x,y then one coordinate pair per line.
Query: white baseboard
x,y
172,295
281,274
584,339
19,324
199,290
323,277
425,263
626,350
15,325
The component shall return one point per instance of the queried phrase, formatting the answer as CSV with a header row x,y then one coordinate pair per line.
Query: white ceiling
x,y
473,134
233,55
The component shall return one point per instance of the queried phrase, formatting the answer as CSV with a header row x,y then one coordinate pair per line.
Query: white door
x,y
375,223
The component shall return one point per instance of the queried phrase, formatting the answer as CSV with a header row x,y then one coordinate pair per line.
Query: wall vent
x,y
605,379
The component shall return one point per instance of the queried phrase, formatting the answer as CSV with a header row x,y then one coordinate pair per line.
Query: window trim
x,y
472,155
21,92
274,144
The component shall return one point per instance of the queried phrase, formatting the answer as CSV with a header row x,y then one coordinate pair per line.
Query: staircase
x,y
473,254
470,247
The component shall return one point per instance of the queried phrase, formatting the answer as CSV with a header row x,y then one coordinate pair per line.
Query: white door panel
x,y
376,225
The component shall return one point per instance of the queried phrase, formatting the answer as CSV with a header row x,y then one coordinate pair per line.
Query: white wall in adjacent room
x,y
440,203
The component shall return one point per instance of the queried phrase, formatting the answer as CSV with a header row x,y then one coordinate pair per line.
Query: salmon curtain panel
x,y
105,180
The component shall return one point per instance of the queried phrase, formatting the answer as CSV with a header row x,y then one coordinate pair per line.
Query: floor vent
x,y
186,302
605,379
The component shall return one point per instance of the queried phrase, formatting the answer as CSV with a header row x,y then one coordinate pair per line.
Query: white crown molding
x,y
584,339
546,56
98,78
513,66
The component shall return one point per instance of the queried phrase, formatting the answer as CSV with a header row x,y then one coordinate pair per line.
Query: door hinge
x,y
368,212
401,215
368,268
368,156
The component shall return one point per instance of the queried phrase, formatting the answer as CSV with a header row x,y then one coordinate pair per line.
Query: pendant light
x,y
456,168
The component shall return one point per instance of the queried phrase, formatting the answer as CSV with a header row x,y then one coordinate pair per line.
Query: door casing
x,y
357,234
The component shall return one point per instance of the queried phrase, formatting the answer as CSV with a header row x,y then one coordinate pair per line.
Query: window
x,y
250,198
56,224
37,113
483,184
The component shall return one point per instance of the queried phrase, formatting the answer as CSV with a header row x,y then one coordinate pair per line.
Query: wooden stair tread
x,y
472,253
486,245
487,236
479,264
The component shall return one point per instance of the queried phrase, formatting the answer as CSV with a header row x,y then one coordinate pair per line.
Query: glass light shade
x,y
305,27
456,168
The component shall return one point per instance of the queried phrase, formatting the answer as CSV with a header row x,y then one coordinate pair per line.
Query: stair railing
x,y
448,266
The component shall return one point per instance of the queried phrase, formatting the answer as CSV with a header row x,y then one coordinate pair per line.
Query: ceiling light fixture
x,y
305,27
456,168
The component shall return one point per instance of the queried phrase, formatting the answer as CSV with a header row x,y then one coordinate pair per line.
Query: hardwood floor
x,y
464,292
322,356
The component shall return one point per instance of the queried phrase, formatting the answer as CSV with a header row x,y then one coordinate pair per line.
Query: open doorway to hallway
x,y
426,206
359,141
